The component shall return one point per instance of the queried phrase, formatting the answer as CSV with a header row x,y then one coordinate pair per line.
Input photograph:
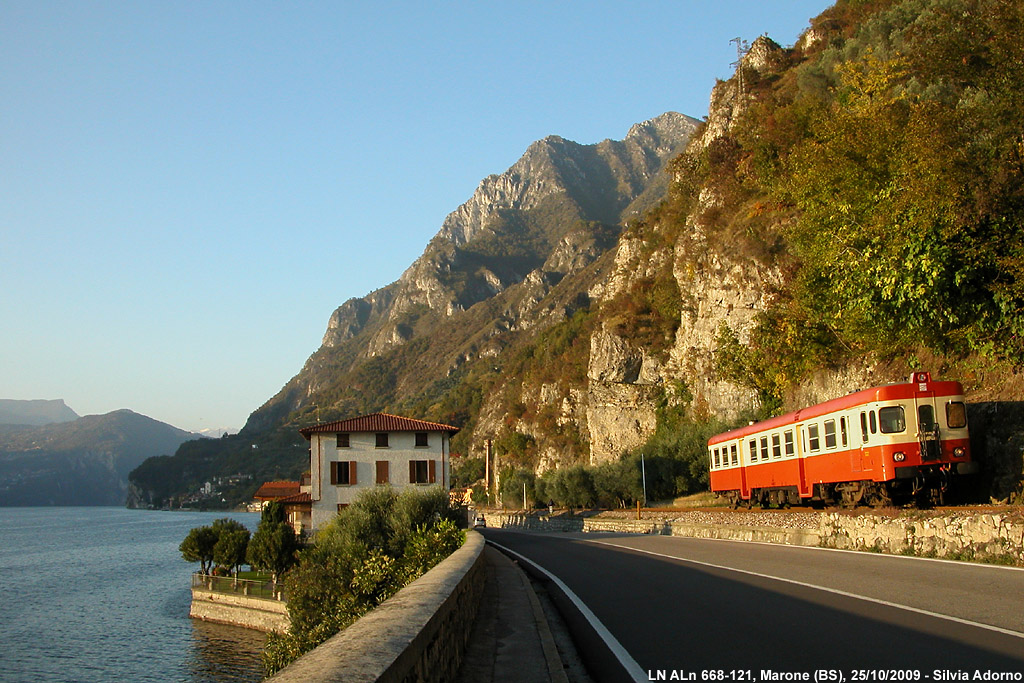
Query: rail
x,y
230,585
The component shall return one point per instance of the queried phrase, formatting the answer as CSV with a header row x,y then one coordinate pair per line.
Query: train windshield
x,y
956,415
892,420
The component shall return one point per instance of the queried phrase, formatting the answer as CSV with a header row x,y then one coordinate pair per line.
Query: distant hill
x,y
37,412
81,462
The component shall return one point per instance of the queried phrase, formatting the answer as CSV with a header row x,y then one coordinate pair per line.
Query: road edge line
x,y
621,654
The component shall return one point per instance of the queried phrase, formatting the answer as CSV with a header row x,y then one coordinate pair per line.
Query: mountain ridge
x,y
81,462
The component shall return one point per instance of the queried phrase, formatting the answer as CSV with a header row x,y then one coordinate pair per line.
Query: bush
x,y
381,542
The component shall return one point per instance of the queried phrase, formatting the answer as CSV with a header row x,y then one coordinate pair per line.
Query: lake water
x,y
101,594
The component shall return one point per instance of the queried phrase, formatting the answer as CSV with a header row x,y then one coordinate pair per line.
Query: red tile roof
x,y
297,498
273,490
377,422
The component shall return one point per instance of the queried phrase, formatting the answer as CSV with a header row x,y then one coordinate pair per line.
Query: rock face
x,y
551,216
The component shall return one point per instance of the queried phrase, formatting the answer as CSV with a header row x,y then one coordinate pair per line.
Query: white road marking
x,y
627,661
826,589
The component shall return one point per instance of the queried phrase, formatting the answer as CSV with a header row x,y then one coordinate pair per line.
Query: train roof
x,y
889,392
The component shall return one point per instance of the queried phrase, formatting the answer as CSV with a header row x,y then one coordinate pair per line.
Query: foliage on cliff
x,y
887,155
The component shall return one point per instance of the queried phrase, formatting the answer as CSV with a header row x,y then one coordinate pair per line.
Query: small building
x,y
276,490
294,496
348,456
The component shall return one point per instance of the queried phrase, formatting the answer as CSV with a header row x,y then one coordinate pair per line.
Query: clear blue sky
x,y
188,190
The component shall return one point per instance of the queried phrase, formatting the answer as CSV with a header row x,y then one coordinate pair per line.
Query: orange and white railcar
x,y
876,446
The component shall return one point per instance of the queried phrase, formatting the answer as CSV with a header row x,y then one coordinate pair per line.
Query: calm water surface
x,y
102,594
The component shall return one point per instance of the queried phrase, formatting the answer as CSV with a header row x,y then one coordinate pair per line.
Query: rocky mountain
x,y
849,210
549,217
35,412
81,462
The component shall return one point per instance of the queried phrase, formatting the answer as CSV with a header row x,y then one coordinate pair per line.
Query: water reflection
x,y
225,653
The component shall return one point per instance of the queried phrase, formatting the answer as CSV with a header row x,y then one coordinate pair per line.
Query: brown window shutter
x,y
383,472
334,473
432,471
412,471
352,473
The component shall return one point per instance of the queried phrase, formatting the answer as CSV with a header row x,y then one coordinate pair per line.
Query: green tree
x,y
198,547
273,546
363,556
230,549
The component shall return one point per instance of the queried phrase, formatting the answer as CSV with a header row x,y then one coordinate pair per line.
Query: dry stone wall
x,y
996,536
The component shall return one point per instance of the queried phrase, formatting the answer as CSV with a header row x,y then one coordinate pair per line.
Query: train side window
x,y
843,432
812,437
864,427
776,446
830,433
735,457
891,419
764,447
789,444
956,415
714,457
874,424
752,450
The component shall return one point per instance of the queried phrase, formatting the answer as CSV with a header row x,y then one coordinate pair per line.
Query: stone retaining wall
x,y
261,614
417,635
996,536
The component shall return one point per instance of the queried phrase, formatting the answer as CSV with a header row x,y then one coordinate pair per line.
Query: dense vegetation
x,y
885,159
374,547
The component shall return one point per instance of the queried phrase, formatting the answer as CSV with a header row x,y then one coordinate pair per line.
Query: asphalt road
x,y
722,610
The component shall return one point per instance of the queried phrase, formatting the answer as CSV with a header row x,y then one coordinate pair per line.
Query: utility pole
x,y
643,472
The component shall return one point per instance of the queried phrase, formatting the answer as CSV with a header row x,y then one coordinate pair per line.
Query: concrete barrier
x,y
417,635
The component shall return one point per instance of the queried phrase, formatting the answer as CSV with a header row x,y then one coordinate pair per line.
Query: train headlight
x,y
898,456
959,452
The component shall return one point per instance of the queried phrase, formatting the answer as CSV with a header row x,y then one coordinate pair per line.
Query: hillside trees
x,y
891,161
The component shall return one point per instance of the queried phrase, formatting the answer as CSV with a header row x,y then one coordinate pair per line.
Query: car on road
x,y
479,522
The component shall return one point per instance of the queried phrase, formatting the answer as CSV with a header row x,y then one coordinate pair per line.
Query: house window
x,y
383,471
343,473
382,440
422,471
342,506
421,440
343,441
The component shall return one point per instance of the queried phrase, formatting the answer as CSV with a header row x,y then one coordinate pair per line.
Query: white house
x,y
348,456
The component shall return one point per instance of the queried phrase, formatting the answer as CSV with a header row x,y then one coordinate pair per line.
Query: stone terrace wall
x,y
261,614
993,536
